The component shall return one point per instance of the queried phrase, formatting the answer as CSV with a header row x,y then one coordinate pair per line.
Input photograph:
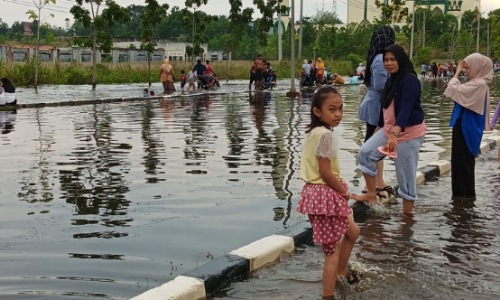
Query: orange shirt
x,y
320,68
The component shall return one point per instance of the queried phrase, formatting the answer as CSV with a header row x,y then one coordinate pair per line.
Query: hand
x,y
392,143
459,68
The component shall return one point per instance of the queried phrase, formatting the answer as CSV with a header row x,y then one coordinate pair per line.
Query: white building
x,y
284,17
171,50
366,10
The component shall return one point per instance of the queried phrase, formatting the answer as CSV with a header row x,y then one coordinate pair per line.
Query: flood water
x,y
105,201
448,250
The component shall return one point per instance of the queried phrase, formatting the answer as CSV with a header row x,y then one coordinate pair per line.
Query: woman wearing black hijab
x,y
402,130
369,111
10,91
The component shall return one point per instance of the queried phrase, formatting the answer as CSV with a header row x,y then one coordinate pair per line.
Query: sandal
x,y
391,155
353,276
390,191
387,195
376,191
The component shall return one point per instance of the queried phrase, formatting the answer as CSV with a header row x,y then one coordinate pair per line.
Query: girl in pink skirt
x,y
325,195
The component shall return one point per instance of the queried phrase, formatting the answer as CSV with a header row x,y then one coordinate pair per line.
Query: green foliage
x,y
392,13
150,16
77,74
424,56
494,17
237,34
265,22
354,59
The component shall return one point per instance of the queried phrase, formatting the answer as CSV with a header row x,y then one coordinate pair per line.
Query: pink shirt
x,y
409,133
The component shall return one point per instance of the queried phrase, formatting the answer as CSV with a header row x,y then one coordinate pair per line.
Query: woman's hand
x,y
459,68
392,143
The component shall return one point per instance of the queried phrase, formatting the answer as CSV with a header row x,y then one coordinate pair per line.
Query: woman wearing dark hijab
x,y
369,111
9,92
402,130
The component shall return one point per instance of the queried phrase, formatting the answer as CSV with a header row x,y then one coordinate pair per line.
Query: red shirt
x,y
209,70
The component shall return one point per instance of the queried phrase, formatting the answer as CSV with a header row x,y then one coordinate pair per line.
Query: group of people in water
x,y
395,128
262,75
435,70
315,74
202,74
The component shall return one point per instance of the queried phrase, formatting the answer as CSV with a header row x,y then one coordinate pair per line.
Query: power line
x,y
32,5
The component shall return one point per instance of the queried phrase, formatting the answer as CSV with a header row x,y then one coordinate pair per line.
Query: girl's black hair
x,y
7,85
317,101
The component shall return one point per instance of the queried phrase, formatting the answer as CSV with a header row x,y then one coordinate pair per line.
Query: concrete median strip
x,y
208,279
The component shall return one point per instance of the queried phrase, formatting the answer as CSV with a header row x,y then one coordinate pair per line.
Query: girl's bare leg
x,y
349,240
330,269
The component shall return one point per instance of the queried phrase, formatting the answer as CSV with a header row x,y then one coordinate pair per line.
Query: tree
x,y
494,17
266,21
4,27
323,22
201,22
99,23
152,14
238,21
392,13
37,17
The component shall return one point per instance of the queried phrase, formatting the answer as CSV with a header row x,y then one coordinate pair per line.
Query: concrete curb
x,y
213,276
115,100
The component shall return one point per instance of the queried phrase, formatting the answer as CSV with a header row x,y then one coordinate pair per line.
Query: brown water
x,y
109,200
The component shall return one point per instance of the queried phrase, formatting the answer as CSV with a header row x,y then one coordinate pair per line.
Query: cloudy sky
x,y
15,10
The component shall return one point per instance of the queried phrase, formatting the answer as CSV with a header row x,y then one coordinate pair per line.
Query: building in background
x,y
284,19
362,11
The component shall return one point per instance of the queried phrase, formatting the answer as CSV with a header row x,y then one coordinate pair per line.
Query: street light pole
x,y
292,93
478,21
412,29
301,29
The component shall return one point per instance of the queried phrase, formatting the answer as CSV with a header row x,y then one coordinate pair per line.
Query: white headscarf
x,y
472,93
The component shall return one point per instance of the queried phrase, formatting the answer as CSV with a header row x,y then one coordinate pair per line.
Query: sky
x,y
15,10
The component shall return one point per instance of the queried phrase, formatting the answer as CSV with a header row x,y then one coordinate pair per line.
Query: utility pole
x,y
478,27
423,34
300,32
488,49
280,34
292,93
412,30
194,30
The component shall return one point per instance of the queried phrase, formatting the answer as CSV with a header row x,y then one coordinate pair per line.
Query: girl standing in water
x,y
325,194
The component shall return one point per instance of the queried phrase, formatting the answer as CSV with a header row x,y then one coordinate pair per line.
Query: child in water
x,y
191,79
183,80
324,197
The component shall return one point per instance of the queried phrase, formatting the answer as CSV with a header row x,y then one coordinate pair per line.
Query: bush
x,y
23,74
354,59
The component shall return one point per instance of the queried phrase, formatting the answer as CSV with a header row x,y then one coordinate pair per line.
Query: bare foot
x,y
372,199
